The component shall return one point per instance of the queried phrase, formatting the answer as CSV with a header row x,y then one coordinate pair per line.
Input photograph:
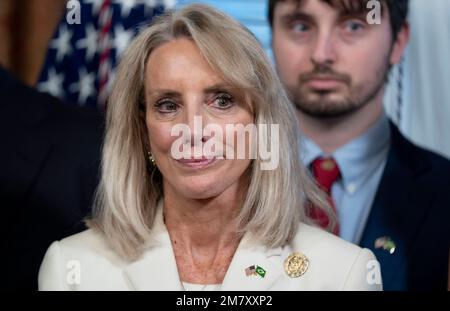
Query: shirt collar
x,y
357,159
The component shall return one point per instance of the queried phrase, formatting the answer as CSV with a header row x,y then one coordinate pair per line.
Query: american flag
x,y
250,271
80,62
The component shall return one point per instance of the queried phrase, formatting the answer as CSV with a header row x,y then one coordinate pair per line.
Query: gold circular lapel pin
x,y
296,265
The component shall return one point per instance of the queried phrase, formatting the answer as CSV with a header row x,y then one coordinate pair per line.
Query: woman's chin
x,y
200,192
207,184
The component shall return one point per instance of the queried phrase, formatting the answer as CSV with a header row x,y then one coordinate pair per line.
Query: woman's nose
x,y
196,119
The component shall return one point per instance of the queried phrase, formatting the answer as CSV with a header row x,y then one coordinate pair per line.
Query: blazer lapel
x,y
397,212
157,269
248,254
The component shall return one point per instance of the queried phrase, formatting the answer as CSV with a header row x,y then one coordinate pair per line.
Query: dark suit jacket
x,y
412,207
49,163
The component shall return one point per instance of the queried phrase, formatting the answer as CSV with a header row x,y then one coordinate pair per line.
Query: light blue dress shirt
x,y
361,163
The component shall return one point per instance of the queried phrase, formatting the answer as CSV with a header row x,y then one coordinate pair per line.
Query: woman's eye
x,y
166,106
223,101
353,26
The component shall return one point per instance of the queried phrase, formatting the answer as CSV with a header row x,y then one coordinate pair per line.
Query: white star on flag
x,y
90,42
62,43
53,84
84,86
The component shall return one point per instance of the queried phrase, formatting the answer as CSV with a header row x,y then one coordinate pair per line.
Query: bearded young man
x,y
390,195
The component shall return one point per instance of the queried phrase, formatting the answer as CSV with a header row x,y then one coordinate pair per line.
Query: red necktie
x,y
326,172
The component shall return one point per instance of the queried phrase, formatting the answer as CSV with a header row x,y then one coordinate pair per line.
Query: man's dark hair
x,y
398,10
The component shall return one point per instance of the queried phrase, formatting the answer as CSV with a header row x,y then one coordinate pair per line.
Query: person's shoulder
x,y
435,160
86,239
23,105
316,240
336,263
87,245
439,164
420,158
83,261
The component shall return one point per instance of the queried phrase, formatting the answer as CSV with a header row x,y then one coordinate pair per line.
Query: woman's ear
x,y
400,44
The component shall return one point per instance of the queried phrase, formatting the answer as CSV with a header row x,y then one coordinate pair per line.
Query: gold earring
x,y
150,157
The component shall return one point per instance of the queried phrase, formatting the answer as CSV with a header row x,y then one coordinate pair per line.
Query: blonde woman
x,y
208,221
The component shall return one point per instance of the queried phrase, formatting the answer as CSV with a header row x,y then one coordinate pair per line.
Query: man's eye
x,y
223,101
299,27
166,106
354,26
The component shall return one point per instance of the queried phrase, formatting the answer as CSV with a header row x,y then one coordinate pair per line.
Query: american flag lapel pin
x,y
385,243
250,271
255,270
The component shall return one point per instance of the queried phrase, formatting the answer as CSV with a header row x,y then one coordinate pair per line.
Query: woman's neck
x,y
203,234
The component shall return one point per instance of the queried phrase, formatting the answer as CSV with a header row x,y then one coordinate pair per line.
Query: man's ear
x,y
400,44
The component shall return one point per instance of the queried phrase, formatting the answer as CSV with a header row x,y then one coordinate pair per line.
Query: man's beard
x,y
324,108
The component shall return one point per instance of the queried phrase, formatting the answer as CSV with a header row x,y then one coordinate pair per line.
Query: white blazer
x,y
85,262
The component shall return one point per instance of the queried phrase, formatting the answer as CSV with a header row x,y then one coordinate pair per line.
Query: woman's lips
x,y
197,163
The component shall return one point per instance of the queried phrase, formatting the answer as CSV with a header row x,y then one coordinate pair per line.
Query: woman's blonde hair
x,y
129,191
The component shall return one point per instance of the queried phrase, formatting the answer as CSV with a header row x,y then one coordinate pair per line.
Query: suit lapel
x,y
397,212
